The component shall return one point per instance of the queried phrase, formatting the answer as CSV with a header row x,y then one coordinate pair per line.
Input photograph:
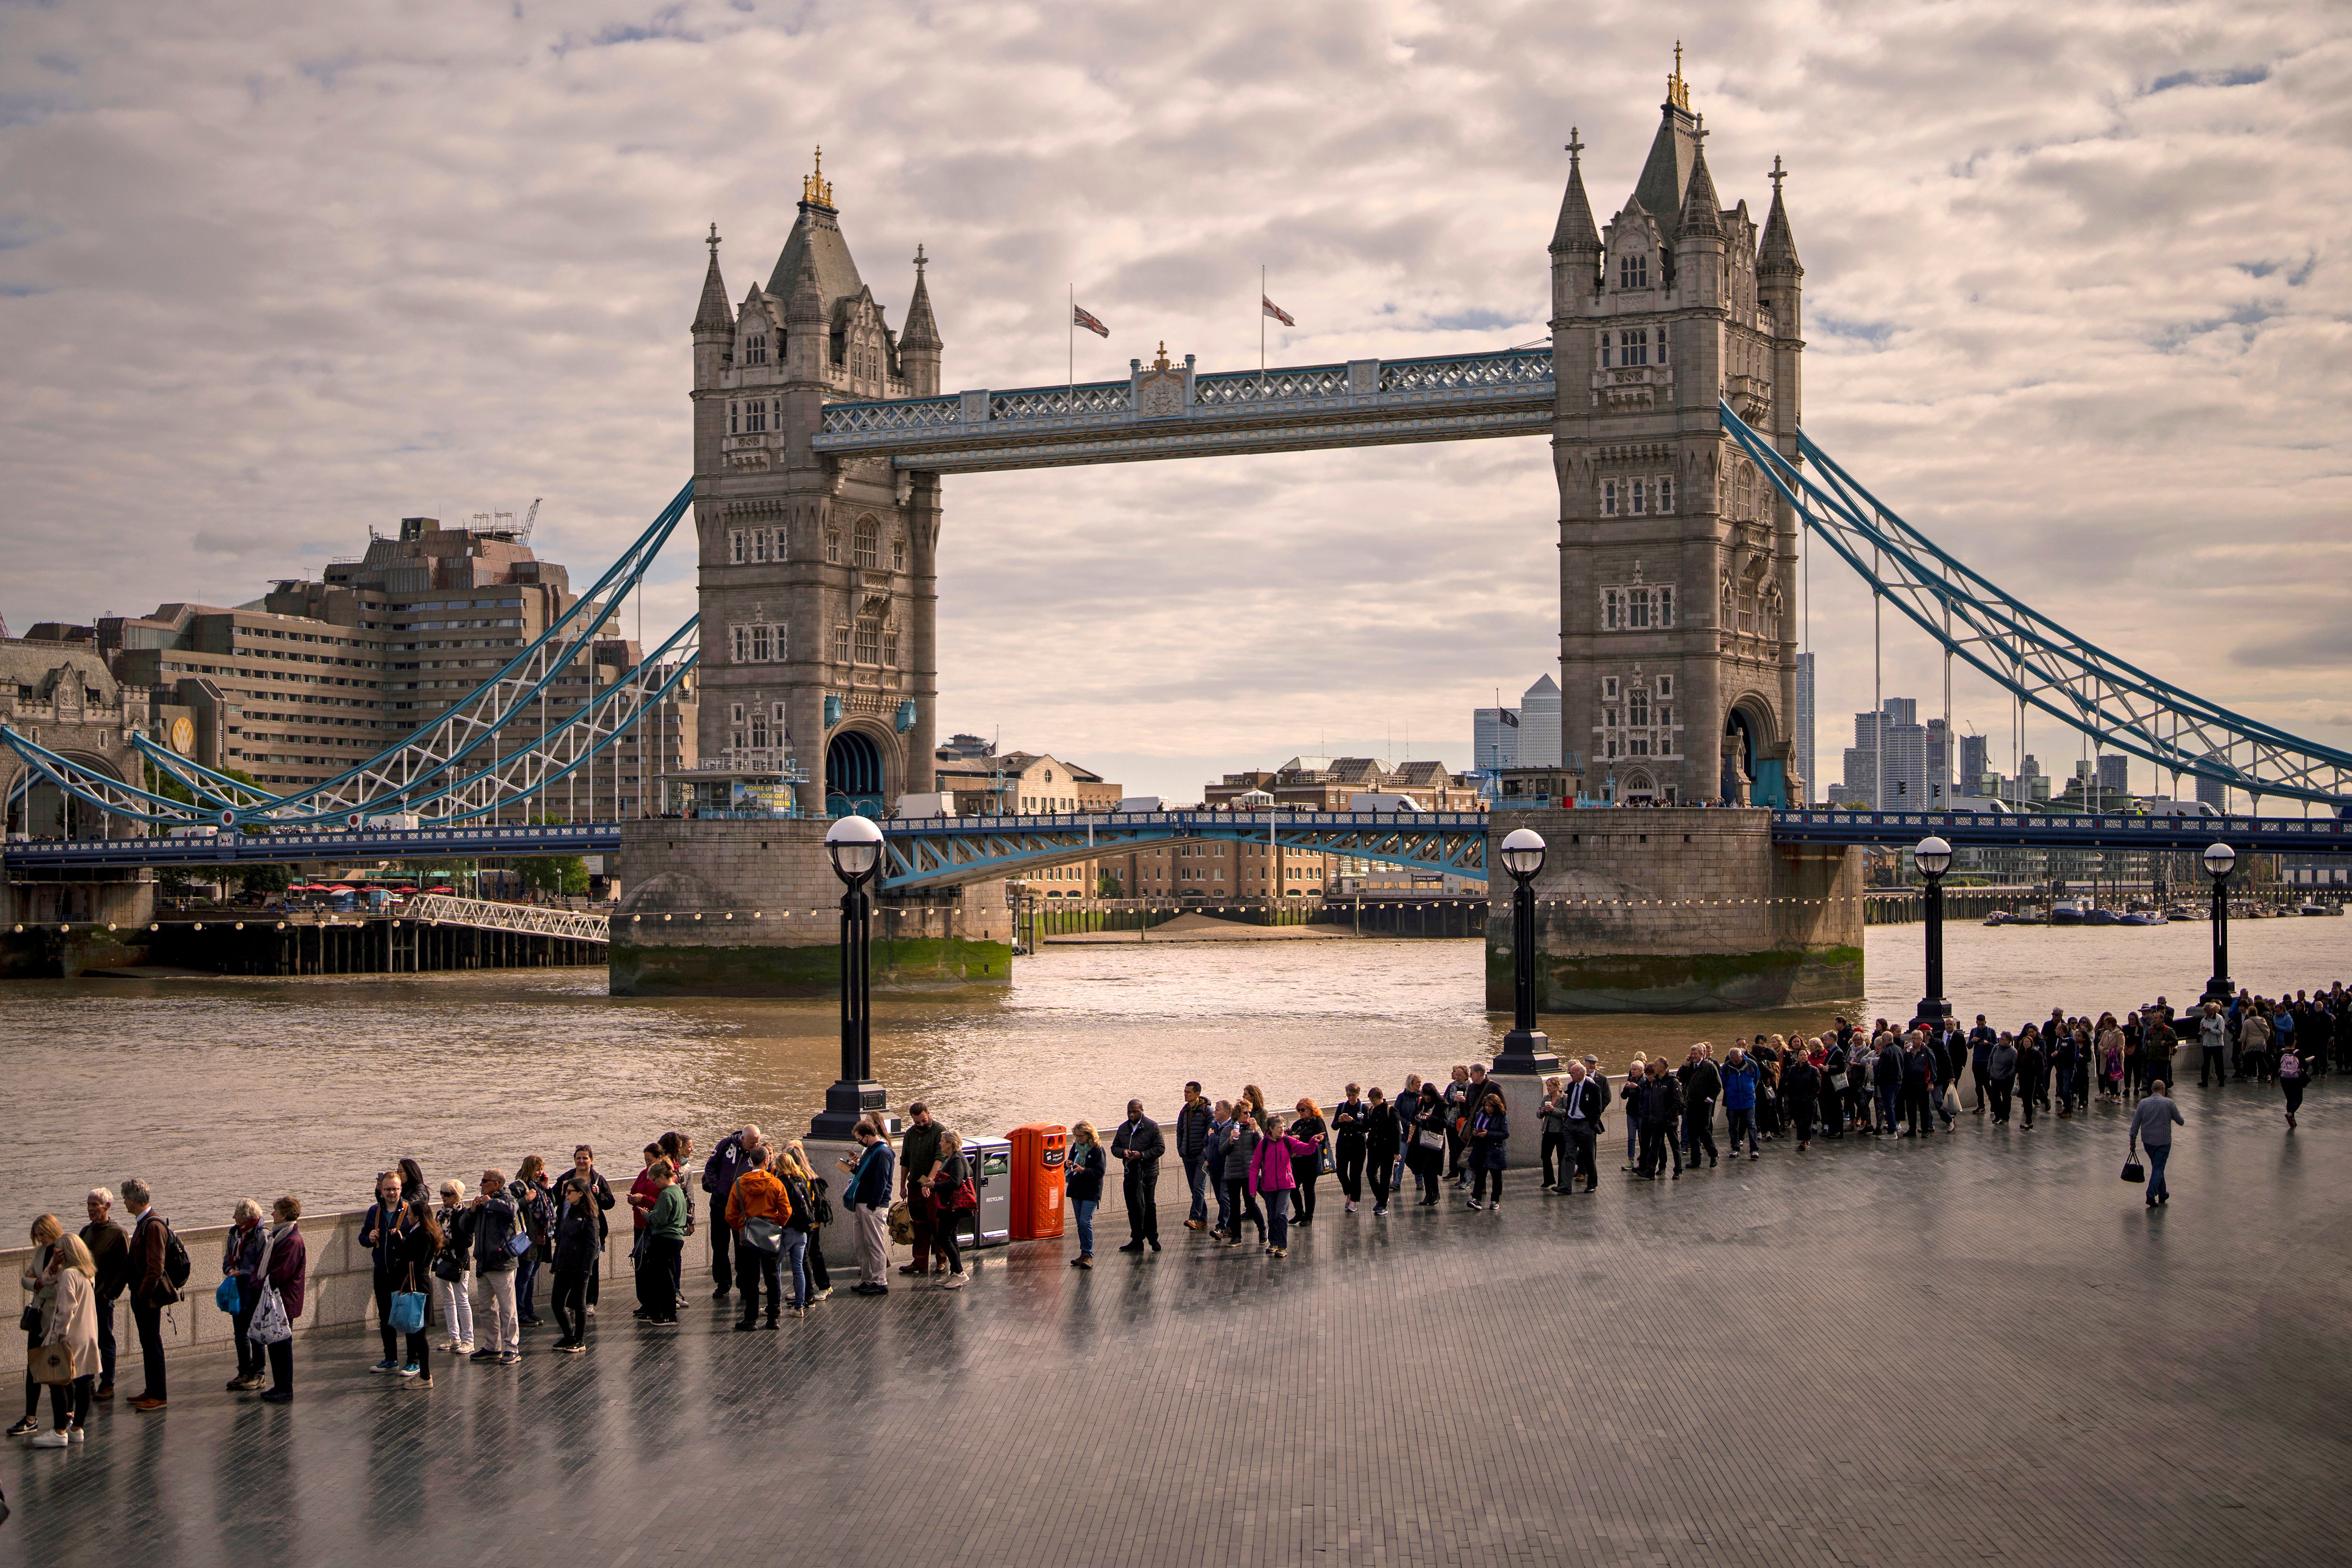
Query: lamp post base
x,y
844,1104
2219,989
1527,1052
1933,1010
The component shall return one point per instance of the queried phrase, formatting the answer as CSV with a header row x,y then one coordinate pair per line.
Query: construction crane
x,y
501,524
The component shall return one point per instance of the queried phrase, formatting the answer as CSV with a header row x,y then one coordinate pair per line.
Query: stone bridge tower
x,y
818,574
1677,558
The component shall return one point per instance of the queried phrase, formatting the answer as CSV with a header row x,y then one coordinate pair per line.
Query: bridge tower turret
x,y
1676,565
816,587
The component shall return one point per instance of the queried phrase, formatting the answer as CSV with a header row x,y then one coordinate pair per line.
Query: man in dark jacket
x,y
720,1172
1139,1144
1582,1103
1660,1105
1702,1083
150,1289
1193,1120
111,1251
1980,1042
919,1152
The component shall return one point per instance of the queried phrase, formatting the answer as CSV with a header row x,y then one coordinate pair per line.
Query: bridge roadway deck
x,y
1982,1349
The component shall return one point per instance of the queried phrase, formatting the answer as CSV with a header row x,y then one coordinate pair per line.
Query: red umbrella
x,y
443,888
405,888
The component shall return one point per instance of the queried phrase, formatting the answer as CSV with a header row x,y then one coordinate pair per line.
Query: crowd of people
x,y
461,1272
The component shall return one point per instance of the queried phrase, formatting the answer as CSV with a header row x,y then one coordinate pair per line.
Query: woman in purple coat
x,y
287,1265
1272,1179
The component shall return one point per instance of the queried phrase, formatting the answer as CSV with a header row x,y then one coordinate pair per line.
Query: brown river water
x,y
218,1088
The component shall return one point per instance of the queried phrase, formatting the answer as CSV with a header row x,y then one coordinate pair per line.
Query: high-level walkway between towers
x,y
1977,1349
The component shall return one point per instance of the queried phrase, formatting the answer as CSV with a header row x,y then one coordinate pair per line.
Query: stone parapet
x,y
1680,909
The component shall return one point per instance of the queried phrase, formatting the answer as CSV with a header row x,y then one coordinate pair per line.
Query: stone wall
x,y
751,907
1679,909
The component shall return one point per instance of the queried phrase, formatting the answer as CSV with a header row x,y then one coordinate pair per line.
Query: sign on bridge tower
x,y
1677,559
818,572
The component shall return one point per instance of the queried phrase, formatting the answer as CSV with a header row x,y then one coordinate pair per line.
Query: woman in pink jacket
x,y
1271,1178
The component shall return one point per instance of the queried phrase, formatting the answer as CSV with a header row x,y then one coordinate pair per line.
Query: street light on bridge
x,y
1525,1049
1933,856
2219,861
855,846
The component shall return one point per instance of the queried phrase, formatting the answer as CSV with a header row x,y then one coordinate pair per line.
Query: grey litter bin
x,y
992,1174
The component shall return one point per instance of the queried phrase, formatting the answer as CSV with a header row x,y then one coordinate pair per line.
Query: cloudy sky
x,y
273,274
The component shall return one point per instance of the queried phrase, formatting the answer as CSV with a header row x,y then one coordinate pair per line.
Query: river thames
x,y
218,1088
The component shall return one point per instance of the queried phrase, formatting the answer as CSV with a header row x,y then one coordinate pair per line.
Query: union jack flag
x,y
1082,317
1277,312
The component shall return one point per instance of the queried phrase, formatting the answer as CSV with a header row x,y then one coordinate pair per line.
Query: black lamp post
x,y
1934,858
1525,1048
2219,861
855,845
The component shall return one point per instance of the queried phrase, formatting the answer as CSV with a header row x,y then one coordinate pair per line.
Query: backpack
x,y
2290,1065
175,1258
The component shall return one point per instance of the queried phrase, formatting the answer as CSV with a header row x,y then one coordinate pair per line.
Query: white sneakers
x,y
49,1440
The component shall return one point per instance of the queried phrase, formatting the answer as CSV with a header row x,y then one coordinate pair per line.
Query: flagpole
x,y
1071,326
1261,330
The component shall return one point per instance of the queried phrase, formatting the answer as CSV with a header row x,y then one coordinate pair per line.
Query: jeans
x,y
1578,1161
1083,1211
454,1303
1244,1204
525,1278
657,1277
1890,1095
2157,1154
873,1226
1351,1168
1220,1190
1195,1177
1278,1219
151,1344
796,1244
498,1309
572,1305
1743,1124
753,1266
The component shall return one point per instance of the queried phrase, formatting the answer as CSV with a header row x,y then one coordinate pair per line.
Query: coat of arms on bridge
x,y
1159,388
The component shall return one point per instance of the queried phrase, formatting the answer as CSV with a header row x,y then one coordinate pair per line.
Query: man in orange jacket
x,y
758,1195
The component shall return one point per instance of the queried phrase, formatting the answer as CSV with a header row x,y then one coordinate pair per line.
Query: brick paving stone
x,y
1978,1348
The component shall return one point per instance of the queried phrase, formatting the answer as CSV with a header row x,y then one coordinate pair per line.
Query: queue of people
x,y
462,1274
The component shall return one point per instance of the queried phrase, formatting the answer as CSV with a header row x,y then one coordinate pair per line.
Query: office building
x,y
1802,751
1494,738
1539,739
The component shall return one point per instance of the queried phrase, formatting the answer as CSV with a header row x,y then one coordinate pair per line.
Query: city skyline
x,y
502,320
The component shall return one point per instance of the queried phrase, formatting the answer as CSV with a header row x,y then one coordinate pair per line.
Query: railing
x,y
442,909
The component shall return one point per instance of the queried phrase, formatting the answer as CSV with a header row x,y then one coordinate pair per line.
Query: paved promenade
x,y
1981,1348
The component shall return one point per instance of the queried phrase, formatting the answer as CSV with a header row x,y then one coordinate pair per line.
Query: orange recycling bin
x,y
1038,1151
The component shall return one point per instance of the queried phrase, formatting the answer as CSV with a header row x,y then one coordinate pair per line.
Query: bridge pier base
x,y
749,907
1680,909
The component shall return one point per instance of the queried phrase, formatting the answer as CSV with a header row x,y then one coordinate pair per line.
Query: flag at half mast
x,y
1082,317
1277,312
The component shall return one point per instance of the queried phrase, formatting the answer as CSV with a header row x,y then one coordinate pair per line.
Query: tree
x,y
1107,887
565,874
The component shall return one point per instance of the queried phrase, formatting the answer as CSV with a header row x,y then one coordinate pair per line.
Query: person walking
x,y
1241,1196
664,1245
497,1223
39,1279
758,1209
1702,1083
1083,1177
534,1199
1740,1081
241,1252
726,1164
1273,1175
1489,1131
2153,1120
287,1269
1190,1127
947,1198
918,1154
1349,1119
2033,1071
376,1236
150,1289
2292,1076
68,1291
579,1239
1383,1140
110,1250
453,1270
1308,1127
1139,1143
800,1231
871,1177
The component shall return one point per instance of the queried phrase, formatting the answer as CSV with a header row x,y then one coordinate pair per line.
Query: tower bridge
x,y
1670,390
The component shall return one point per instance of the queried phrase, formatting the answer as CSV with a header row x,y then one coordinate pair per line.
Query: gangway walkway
x,y
444,909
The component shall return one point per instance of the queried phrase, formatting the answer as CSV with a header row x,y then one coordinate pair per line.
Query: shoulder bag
x,y
408,1312
765,1235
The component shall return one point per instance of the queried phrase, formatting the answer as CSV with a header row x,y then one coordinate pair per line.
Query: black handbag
x,y
2133,1170
31,1321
